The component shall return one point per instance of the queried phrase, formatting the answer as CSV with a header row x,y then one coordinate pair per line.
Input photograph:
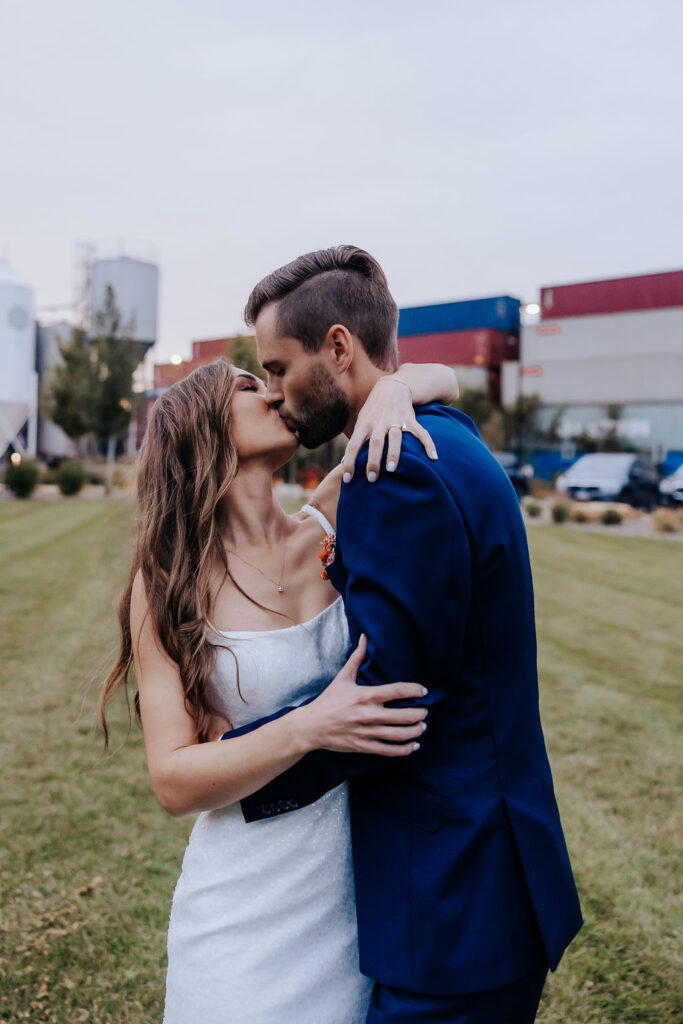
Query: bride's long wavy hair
x,y
187,464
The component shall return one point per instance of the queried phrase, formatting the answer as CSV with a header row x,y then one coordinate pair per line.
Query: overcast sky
x,y
475,148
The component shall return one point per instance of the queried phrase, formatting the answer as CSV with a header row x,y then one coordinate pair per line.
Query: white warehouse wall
x,y
611,358
610,334
601,379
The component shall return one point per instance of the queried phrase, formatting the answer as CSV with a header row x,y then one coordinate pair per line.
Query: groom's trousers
x,y
515,1003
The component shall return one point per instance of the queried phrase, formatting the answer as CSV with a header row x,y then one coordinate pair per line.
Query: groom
x,y
464,890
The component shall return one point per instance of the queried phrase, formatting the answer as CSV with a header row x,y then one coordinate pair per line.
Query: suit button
x,y
266,809
292,804
282,806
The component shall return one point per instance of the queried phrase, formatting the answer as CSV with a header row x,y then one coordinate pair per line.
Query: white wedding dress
x,y
263,923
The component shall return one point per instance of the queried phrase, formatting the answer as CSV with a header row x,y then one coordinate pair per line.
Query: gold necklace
x,y
276,583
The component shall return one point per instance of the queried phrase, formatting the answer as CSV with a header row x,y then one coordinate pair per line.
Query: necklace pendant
x,y
280,589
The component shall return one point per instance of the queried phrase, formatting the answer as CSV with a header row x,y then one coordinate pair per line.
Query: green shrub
x,y
533,509
22,479
70,477
610,517
560,513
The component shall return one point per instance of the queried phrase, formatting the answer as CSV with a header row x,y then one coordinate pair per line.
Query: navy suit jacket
x,y
463,880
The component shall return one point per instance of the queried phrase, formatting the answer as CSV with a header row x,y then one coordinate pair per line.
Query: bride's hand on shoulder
x,y
350,718
389,412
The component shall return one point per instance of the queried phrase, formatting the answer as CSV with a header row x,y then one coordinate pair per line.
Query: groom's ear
x,y
340,346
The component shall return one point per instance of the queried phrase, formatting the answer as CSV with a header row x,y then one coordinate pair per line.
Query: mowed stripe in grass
x,y
610,613
89,861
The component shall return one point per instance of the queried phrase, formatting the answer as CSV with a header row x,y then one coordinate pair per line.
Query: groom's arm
x,y
407,555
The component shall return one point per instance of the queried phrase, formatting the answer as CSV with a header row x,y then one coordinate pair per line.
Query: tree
x,y
243,354
501,428
113,358
475,403
91,392
520,422
610,440
68,396
493,431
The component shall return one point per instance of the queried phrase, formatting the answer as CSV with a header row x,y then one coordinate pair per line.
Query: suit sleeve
x,y
407,555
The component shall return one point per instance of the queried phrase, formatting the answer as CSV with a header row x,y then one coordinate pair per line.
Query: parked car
x,y
520,474
611,476
671,488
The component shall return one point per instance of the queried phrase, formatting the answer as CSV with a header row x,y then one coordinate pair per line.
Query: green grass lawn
x,y
89,860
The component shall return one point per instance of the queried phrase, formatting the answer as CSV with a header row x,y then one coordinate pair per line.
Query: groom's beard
x,y
327,410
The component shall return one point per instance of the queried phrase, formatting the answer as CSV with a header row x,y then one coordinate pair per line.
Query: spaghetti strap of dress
x,y
315,513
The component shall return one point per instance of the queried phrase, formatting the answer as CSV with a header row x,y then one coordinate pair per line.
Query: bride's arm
x,y
188,776
389,405
428,382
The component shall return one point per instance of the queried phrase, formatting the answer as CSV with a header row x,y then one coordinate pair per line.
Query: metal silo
x,y
18,377
136,291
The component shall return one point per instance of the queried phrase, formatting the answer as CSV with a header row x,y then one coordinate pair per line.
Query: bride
x,y
225,619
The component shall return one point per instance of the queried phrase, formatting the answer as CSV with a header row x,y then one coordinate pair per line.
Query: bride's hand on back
x,y
350,718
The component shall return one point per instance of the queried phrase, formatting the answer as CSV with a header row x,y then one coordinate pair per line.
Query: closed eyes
x,y
246,382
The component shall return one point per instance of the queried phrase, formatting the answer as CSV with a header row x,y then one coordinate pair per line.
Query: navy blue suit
x,y
463,881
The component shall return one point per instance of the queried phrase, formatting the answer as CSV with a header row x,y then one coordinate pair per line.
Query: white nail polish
x,y
424,727
416,746
346,478
391,466
425,691
372,477
432,454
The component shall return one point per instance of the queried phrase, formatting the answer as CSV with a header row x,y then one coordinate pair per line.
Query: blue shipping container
x,y
500,313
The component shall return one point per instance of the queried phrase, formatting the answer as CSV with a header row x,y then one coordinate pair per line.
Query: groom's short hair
x,y
343,285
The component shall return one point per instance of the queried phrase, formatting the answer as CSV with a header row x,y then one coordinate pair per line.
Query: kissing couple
x,y
378,838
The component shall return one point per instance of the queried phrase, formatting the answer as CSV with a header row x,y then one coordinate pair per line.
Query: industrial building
x,y
18,376
135,283
136,287
607,357
30,339
206,351
476,337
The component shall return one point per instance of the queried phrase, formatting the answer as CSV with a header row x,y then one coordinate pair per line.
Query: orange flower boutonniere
x,y
326,553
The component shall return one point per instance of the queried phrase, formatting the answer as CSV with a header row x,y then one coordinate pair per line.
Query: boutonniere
x,y
326,553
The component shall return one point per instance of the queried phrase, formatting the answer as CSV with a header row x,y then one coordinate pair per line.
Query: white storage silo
x,y
18,377
136,291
